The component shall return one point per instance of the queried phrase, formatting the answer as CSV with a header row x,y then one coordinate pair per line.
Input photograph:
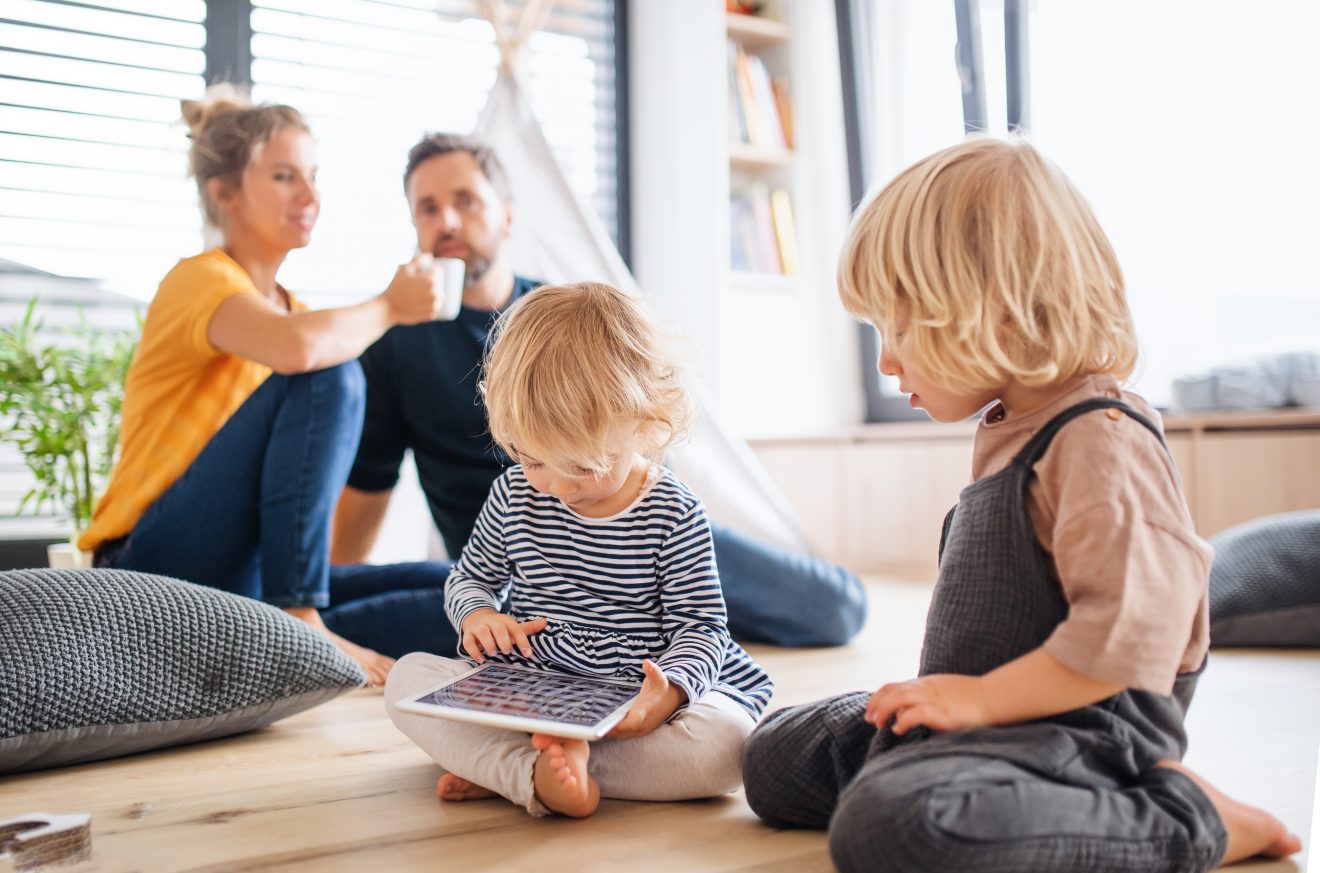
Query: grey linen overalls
x,y
1076,791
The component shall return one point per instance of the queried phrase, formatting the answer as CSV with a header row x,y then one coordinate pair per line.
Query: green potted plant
x,y
59,406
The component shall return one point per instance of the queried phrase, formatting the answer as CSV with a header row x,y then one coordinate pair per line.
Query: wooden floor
x,y
338,789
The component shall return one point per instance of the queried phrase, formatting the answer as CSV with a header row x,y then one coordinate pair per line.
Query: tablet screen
x,y
499,689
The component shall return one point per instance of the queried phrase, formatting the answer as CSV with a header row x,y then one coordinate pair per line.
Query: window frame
x,y
850,17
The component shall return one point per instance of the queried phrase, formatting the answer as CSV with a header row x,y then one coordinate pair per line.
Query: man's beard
x,y
476,268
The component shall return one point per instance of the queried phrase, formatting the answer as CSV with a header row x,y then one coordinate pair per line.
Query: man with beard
x,y
422,395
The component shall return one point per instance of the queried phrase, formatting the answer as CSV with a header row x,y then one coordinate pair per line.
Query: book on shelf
x,y
757,109
739,97
785,109
781,213
762,239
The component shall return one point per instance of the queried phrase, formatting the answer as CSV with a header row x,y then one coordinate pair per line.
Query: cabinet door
x,y
1183,449
808,473
1241,476
896,495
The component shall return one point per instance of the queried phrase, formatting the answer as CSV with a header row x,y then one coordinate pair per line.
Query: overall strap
x,y
1040,441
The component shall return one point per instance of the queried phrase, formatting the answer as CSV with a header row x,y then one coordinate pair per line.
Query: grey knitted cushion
x,y
100,663
1265,582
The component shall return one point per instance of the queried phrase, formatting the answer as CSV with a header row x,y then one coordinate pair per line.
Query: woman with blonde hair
x,y
243,408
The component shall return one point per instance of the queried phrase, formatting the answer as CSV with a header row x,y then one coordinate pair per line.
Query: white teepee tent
x,y
558,239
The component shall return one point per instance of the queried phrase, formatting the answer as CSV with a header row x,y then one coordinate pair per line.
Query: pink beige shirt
x,y
1108,508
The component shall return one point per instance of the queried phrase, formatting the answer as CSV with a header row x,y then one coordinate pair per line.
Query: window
x,y
1186,124
908,105
93,154
373,77
93,157
1190,127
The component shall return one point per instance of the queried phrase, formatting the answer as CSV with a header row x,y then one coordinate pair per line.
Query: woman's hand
x,y
654,705
487,631
941,702
412,296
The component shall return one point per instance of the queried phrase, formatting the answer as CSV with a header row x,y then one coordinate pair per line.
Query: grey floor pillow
x,y
100,663
1265,582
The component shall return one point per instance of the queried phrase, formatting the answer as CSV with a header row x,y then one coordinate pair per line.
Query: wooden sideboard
x,y
873,497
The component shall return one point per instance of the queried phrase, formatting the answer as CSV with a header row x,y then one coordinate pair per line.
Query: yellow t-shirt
x,y
179,392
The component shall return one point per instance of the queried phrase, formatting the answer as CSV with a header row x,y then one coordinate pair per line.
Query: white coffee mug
x,y
448,279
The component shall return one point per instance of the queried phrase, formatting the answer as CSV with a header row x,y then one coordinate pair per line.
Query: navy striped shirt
x,y
639,584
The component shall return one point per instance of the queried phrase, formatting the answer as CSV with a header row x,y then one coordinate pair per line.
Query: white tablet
x,y
524,699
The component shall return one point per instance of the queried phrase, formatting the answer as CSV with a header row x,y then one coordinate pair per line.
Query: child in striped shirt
x,y
606,564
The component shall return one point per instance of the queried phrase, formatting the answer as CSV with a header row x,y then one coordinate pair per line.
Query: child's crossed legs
x,y
698,754
1033,796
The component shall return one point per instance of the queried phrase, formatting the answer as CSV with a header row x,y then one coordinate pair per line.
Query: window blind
x,y
94,194
93,187
92,163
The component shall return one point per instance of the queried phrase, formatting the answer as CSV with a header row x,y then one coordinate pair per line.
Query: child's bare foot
x,y
560,776
374,664
1251,831
451,787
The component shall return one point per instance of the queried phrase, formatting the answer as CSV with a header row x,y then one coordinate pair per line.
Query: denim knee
x,y
840,624
343,383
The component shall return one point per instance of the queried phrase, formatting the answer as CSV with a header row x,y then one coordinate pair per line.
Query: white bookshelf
x,y
778,350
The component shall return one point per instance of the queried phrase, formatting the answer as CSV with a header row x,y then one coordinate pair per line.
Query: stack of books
x,y
759,113
761,231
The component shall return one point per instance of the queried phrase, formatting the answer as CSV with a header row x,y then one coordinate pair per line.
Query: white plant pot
x,y
67,556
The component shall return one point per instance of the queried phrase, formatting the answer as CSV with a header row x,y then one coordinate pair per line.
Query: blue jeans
x,y
773,596
786,598
392,608
251,515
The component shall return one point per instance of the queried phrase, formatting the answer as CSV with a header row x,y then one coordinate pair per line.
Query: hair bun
x,y
219,99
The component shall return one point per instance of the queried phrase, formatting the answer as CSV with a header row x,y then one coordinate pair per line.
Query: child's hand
x,y
487,631
941,702
654,705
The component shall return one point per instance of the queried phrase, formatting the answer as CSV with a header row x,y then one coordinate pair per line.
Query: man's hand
x,y
654,705
487,631
941,702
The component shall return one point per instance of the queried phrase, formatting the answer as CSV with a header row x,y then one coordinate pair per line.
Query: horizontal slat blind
x,y
93,187
92,163
373,76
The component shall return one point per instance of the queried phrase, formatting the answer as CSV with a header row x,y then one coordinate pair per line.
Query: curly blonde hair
x,y
1000,266
575,371
226,131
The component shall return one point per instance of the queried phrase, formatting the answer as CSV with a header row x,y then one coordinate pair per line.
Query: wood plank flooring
x,y
338,789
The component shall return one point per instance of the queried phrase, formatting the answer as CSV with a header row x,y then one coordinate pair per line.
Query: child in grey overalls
x,y
1068,625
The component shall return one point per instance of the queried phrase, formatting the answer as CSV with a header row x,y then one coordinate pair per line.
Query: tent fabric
x,y
558,239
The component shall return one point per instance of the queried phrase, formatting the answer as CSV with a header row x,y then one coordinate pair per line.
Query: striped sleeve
x,y
483,574
693,607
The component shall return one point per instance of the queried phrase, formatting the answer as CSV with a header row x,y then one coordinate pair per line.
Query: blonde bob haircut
x,y
577,373
1000,267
